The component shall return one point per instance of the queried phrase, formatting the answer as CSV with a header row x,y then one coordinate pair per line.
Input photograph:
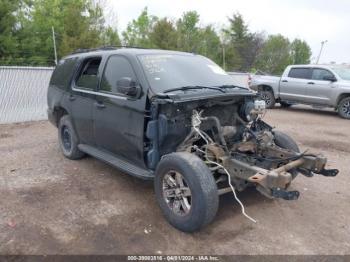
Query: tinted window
x,y
63,72
117,67
303,73
87,77
319,74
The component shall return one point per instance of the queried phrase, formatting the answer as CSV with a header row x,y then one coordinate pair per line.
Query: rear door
x,y
293,86
319,90
119,119
82,98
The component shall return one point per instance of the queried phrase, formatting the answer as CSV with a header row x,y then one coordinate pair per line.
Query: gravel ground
x,y
51,205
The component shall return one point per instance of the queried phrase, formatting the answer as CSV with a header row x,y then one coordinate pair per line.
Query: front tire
x,y
344,108
268,97
186,191
68,139
285,141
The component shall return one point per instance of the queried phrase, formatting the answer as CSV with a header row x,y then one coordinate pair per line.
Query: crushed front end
x,y
239,148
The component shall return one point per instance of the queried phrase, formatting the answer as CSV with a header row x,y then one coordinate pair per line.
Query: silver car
x,y
318,85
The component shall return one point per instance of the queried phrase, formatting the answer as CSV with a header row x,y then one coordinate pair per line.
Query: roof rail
x,y
85,50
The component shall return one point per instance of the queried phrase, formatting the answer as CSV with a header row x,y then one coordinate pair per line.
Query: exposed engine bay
x,y
230,136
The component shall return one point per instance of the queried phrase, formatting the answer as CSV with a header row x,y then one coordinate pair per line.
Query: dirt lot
x,y
51,205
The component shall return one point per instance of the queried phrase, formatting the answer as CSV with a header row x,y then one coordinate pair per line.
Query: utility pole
x,y
319,55
54,44
223,58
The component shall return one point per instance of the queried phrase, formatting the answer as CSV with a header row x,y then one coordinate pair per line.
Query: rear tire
x,y
344,108
198,187
268,97
68,139
286,142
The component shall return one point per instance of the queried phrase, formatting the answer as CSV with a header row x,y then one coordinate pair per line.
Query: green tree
x,y
275,55
83,24
77,24
164,35
209,44
138,30
26,35
8,39
242,47
300,52
110,37
188,32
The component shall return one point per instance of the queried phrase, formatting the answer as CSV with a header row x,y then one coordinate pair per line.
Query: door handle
x,y
284,81
100,105
310,83
72,97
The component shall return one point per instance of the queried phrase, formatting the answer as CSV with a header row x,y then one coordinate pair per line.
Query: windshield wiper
x,y
183,88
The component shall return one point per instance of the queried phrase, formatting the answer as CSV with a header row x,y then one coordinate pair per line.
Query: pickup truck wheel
x,y
268,97
68,139
344,108
186,191
286,142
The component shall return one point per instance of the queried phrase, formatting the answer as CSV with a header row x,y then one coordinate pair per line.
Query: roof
x,y
123,50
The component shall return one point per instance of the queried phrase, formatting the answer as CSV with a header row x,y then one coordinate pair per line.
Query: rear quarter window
x,y
63,73
302,73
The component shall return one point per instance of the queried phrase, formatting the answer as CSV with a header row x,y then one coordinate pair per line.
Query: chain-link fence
x,y
23,93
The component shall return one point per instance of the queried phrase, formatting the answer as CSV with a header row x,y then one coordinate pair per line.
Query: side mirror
x,y
127,86
330,78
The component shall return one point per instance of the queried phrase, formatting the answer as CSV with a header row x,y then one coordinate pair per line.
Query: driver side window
x,y
320,74
117,67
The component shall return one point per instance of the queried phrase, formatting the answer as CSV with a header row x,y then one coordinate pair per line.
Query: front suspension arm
x,y
274,182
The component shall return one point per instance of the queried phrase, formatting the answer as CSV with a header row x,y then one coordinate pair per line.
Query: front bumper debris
x,y
274,183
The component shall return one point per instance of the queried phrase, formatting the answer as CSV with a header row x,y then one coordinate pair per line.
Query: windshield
x,y
172,71
343,72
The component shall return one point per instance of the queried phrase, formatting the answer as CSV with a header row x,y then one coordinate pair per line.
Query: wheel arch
x,y
341,97
266,88
58,113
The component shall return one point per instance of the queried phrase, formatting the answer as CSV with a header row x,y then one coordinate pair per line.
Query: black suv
x,y
176,118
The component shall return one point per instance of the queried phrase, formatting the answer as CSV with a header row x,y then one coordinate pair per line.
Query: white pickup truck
x,y
317,85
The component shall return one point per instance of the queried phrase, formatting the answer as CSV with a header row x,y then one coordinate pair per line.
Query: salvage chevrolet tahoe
x,y
176,118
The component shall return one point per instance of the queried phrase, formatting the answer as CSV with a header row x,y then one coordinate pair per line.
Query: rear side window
x,y
63,72
302,73
320,74
117,67
87,77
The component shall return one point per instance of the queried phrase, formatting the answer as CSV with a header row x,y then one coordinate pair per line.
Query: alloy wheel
x,y
264,96
66,138
177,193
345,108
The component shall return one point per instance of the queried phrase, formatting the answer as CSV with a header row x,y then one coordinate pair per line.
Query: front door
x,y
319,90
119,119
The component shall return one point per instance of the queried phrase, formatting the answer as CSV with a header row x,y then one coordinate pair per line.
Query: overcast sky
x,y
311,20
